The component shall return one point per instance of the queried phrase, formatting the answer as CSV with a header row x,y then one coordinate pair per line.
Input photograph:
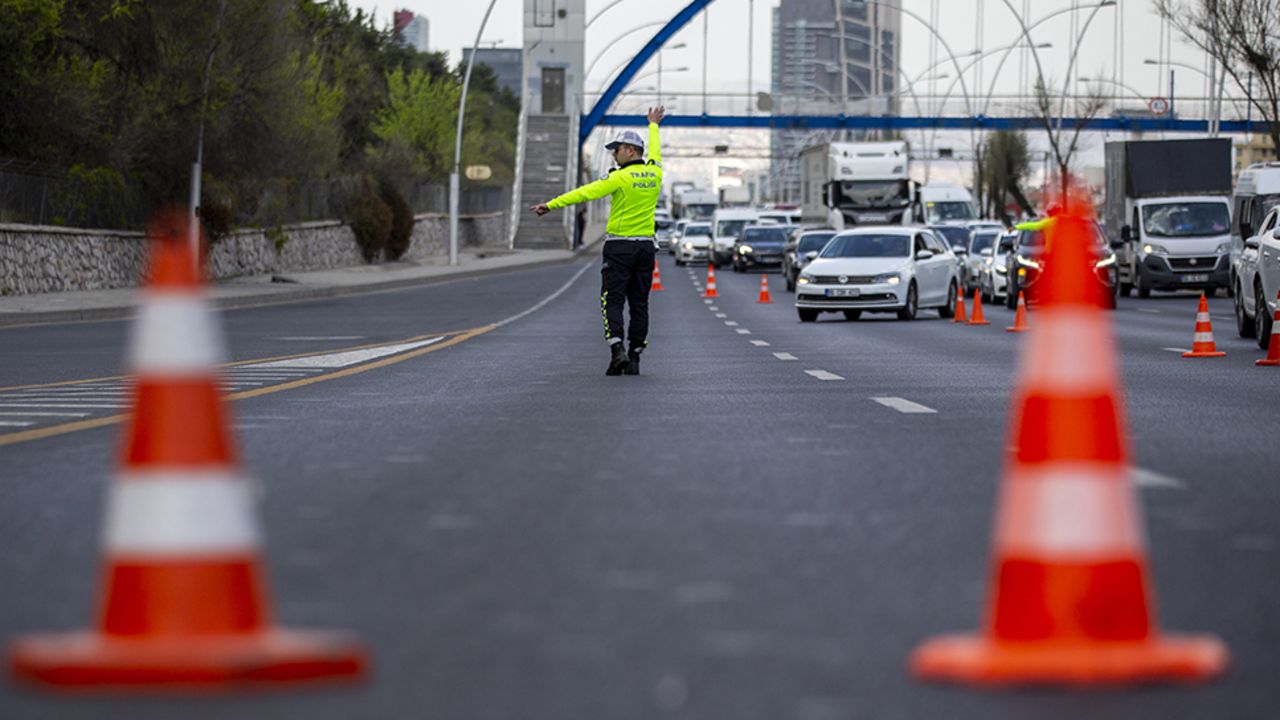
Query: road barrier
x,y
1070,602
185,601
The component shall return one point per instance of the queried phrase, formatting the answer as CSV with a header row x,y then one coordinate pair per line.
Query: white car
x,y
676,233
879,269
1258,280
694,244
980,239
993,273
728,225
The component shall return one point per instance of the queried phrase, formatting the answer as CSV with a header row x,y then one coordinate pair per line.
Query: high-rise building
x,y
506,63
411,30
810,76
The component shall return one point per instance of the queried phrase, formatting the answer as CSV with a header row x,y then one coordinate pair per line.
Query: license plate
x,y
843,292
1195,278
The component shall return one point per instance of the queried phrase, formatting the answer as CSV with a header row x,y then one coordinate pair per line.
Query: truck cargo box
x,y
1160,168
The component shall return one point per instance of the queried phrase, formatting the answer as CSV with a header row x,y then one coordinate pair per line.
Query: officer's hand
x,y
656,114
540,209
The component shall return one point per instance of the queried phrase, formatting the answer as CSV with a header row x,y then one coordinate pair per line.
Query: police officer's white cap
x,y
629,137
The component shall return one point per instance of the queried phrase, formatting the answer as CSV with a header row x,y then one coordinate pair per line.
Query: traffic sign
x,y
479,172
1158,105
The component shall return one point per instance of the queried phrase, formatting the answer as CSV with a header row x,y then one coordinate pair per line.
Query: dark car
x,y
1025,264
760,246
803,245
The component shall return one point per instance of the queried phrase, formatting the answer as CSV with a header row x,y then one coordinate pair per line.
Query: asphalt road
x,y
726,536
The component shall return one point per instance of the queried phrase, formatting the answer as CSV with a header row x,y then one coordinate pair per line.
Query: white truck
x,y
848,184
695,204
735,196
1168,204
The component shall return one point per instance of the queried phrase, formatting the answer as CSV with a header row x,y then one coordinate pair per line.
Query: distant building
x,y
507,64
411,30
810,77
1256,148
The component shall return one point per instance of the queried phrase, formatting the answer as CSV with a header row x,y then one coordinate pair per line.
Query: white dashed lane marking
x,y
904,406
707,302
1176,350
721,315
823,375
1152,479
743,331
1149,310
731,323
760,343
14,423
785,356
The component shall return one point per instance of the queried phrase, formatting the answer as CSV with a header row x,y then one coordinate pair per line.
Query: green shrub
x,y
401,235
217,209
277,236
369,218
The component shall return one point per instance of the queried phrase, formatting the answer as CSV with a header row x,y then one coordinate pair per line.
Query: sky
x,y
618,33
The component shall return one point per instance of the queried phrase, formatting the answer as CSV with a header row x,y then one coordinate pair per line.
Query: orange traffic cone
x,y
1020,318
657,279
1202,345
962,315
977,318
184,603
1273,344
764,290
1070,601
711,282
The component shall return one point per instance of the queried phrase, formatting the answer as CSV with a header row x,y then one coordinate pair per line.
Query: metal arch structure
x,y
906,122
594,118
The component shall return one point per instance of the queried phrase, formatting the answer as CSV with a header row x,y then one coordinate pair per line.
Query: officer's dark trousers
x,y
626,276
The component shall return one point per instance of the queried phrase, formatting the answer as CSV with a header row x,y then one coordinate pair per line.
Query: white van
x,y
726,228
1257,191
946,205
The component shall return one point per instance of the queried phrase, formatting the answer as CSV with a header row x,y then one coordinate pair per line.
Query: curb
x,y
117,312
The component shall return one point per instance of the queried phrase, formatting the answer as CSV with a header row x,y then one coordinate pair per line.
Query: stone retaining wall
x,y
39,259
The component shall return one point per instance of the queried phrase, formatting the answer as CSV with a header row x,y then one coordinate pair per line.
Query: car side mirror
x,y
811,254
1117,244
1251,243
986,252
1126,233
1276,234
959,250
924,254
1246,230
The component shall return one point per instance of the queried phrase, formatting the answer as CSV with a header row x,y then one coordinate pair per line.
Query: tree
x,y
1064,142
1240,35
1008,162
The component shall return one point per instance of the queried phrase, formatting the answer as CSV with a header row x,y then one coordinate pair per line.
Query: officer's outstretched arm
x,y
590,191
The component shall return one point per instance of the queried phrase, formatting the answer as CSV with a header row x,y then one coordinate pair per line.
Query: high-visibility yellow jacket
x,y
633,188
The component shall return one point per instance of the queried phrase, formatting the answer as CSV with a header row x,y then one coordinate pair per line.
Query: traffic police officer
x,y
629,246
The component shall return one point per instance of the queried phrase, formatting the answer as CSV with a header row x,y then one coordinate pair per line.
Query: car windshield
x,y
661,224
982,241
1035,238
867,246
1186,219
954,234
813,242
730,228
697,230
948,210
776,234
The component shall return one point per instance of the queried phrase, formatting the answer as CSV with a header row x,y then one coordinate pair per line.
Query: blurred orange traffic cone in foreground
x,y
962,315
1020,318
1202,345
1273,344
184,603
977,318
764,290
657,279
1070,601
711,282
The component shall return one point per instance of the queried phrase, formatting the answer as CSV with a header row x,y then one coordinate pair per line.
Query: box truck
x,y
848,184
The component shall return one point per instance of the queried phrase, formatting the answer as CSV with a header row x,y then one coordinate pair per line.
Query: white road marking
x,y
713,308
14,423
311,338
707,302
760,343
43,414
1176,350
1149,310
1152,479
721,315
823,375
350,357
541,304
785,356
904,406
743,331
63,406
731,323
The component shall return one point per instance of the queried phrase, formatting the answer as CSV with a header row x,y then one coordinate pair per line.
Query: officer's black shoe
x,y
619,361
633,364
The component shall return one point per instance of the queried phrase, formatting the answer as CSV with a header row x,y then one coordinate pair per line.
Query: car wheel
x,y
1011,296
807,314
1244,324
948,309
1112,298
791,283
912,306
1261,318
852,315
679,262
1144,290
1126,288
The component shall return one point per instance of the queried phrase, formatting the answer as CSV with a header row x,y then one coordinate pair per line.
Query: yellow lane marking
x,y
63,429
64,383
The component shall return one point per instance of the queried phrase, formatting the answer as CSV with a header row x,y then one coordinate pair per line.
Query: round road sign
x,y
1158,105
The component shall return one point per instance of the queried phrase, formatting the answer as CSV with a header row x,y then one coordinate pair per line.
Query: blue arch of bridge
x,y
593,119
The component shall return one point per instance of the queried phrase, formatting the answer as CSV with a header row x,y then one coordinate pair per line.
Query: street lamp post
x,y
454,180
677,46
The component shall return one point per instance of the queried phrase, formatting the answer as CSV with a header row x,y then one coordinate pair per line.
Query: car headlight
x,y
688,246
886,279
805,279
1152,249
1002,270
1224,248
1028,262
1104,262
745,250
